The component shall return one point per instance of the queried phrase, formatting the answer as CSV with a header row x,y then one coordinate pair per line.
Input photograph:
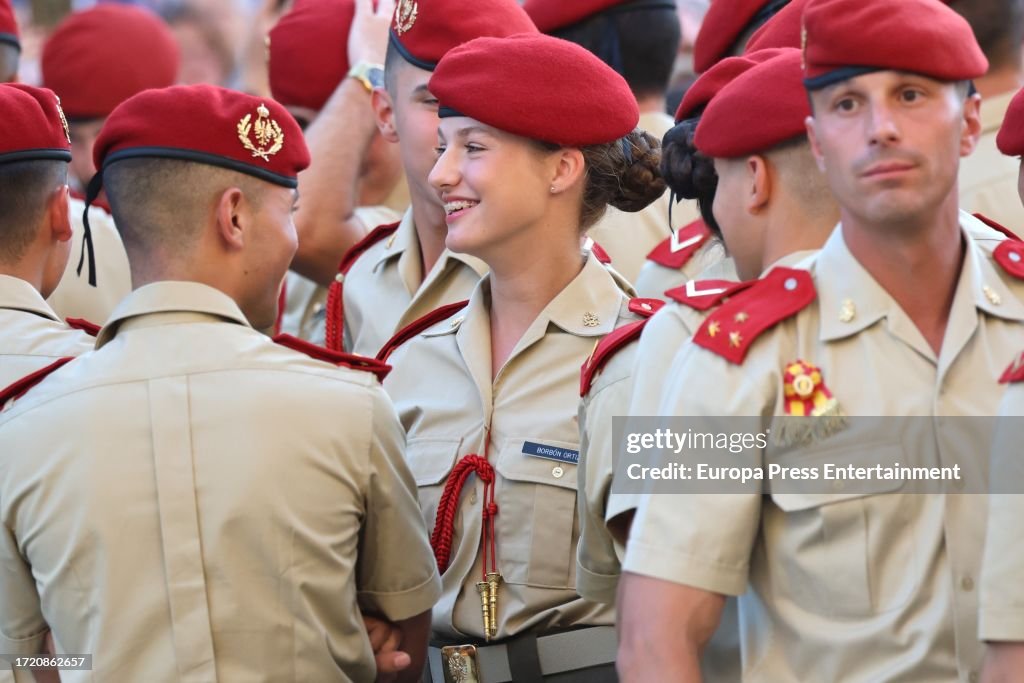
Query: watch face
x,y
375,75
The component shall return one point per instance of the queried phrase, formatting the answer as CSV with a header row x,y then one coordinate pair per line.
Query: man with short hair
x,y
902,313
214,505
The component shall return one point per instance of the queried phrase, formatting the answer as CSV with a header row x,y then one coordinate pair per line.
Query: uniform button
x,y
317,308
1014,256
472,498
790,284
967,583
557,472
340,277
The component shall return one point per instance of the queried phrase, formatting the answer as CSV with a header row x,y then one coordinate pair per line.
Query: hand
x,y
385,639
368,37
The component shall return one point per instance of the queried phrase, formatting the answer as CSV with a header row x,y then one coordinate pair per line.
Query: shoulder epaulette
x,y
1014,372
335,306
731,329
599,253
996,226
1010,255
20,387
676,250
348,360
704,295
417,326
90,328
617,339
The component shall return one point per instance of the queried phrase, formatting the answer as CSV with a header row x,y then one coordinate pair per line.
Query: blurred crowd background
x,y
223,42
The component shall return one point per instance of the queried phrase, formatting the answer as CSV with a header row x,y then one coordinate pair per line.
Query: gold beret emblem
x,y
405,15
269,138
63,121
803,46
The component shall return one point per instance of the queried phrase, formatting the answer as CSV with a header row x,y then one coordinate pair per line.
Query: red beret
x,y
551,15
8,24
308,55
33,126
717,77
725,22
98,58
782,30
519,85
424,30
846,38
210,125
759,109
1010,139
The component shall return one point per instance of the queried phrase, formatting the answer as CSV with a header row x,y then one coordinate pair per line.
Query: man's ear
x,y
972,125
812,138
234,215
58,213
384,110
760,186
569,166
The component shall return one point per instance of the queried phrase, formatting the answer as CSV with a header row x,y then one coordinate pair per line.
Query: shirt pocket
x,y
431,460
847,554
537,524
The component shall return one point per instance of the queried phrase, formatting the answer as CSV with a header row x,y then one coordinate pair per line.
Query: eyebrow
x,y
420,89
463,132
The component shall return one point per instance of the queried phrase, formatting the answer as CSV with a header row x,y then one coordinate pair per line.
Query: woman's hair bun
x,y
640,181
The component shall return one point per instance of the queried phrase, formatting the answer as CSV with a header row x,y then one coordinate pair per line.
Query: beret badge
x,y
269,138
405,15
63,120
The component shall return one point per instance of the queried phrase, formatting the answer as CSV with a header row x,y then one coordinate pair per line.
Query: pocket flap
x,y
829,487
431,458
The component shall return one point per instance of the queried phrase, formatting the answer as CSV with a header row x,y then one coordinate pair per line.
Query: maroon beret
x,y
519,85
714,79
206,124
551,15
846,38
308,52
8,25
424,30
782,30
33,125
759,109
725,22
1010,139
98,58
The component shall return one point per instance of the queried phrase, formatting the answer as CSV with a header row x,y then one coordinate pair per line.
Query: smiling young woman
x,y
526,162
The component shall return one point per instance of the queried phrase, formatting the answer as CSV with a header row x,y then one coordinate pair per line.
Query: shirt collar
x,y
17,294
400,240
172,297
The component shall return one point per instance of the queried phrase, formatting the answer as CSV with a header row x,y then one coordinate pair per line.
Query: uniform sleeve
x,y
1002,592
397,572
22,627
696,539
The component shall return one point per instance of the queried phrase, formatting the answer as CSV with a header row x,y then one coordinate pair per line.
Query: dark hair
x,y
625,174
689,173
998,27
24,188
640,43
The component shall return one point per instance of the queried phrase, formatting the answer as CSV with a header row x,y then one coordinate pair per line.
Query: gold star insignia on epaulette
x,y
269,136
735,339
741,317
713,328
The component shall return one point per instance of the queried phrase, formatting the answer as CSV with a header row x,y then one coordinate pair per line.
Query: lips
x,y
887,168
454,207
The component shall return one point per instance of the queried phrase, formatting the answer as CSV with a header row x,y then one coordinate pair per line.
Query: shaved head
x,y
25,187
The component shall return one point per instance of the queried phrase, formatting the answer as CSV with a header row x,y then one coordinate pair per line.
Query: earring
x,y
552,189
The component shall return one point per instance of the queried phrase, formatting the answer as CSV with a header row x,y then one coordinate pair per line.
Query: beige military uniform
x,y
846,586
385,290
629,237
304,315
213,506
74,296
533,400
988,178
655,279
31,334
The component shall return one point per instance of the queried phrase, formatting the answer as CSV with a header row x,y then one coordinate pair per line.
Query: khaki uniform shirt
x,y
988,178
854,586
192,502
31,334
629,237
74,297
655,279
305,314
385,290
532,400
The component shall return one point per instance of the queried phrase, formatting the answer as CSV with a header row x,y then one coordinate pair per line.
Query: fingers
x,y
392,662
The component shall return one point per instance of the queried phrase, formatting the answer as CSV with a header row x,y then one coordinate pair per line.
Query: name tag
x,y
539,450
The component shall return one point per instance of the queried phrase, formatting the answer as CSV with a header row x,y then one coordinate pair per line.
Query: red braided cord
x,y
444,525
335,321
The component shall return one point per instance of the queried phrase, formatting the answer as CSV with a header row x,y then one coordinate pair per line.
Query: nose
x,y
883,129
445,173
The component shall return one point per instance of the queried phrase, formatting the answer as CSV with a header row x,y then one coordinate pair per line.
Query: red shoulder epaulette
x,y
20,387
1010,255
335,307
90,328
996,226
704,295
1014,372
731,329
617,339
348,360
417,326
98,203
676,250
599,253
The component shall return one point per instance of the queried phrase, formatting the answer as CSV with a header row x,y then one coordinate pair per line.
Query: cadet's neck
x,y
431,230
795,226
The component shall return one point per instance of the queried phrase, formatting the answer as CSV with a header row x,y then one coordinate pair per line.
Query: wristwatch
x,y
369,74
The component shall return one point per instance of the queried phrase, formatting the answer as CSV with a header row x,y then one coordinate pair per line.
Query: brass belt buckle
x,y
459,663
